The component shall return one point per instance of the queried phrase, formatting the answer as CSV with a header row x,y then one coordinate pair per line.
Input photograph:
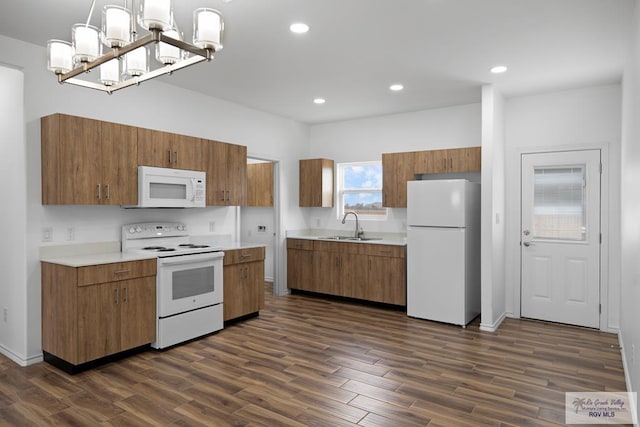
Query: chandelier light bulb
x,y
86,46
116,26
60,56
155,14
208,27
136,62
110,72
166,53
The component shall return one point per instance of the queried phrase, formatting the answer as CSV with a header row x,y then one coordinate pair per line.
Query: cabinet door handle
x,y
444,164
99,192
451,163
228,196
176,157
117,295
108,191
170,157
245,256
121,271
126,294
222,192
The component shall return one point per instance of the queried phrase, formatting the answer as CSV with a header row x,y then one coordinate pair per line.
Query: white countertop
x,y
397,239
95,259
84,254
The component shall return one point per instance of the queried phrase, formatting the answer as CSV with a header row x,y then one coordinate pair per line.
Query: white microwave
x,y
170,188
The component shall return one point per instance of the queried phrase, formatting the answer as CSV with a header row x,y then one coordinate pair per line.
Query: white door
x,y
560,237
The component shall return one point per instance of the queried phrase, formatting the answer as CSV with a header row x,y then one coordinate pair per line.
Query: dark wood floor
x,y
313,361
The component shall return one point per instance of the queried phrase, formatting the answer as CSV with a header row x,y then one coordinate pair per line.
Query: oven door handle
x,y
189,259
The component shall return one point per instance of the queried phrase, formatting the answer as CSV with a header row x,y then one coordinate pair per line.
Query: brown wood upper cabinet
x,y
448,161
260,184
398,168
316,183
169,150
226,168
88,162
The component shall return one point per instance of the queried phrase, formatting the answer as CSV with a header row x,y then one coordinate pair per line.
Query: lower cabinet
x,y
96,311
243,282
372,272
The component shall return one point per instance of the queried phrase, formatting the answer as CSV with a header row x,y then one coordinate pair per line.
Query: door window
x,y
559,203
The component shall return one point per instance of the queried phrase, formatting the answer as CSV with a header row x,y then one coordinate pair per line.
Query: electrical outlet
x,y
71,234
262,229
5,314
212,226
47,234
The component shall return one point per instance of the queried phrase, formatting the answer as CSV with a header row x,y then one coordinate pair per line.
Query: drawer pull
x,y
122,271
245,255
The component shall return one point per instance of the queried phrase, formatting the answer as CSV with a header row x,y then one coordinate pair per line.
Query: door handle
x,y
527,244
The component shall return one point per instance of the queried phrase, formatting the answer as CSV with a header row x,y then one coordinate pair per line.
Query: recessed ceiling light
x,y
299,28
319,101
396,87
498,69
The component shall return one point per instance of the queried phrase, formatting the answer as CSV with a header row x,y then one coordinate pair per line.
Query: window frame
x,y
341,191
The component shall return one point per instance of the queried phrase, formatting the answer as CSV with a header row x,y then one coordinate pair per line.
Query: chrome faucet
x,y
359,231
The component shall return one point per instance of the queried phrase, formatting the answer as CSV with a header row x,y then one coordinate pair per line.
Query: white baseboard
x,y
627,378
493,327
19,359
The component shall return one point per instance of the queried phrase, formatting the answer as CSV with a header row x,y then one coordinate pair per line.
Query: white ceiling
x,y
441,50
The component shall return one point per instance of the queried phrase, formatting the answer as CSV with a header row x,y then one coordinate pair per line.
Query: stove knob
x,y
138,229
180,227
132,230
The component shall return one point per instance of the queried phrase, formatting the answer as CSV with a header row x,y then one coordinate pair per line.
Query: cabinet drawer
x,y
391,251
237,256
103,273
302,244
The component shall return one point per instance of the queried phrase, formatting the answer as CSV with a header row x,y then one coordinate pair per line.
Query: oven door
x,y
189,282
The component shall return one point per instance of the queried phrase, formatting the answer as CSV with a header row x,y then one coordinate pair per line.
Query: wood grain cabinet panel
x,y
260,184
398,168
226,168
371,272
88,162
169,150
82,322
316,183
243,282
300,260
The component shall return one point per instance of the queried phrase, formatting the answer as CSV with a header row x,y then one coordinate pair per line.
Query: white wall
x,y
154,105
12,215
630,217
250,219
573,119
365,139
493,198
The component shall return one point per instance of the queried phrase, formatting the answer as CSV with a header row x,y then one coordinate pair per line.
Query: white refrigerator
x,y
443,250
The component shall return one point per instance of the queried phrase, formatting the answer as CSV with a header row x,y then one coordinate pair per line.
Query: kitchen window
x,y
360,190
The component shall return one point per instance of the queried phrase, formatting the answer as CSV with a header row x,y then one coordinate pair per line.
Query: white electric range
x,y
189,280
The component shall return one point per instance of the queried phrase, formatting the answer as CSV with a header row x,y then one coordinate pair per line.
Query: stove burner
x,y
153,248
191,245
166,249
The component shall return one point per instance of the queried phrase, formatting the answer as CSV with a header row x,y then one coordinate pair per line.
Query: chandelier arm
x,y
206,53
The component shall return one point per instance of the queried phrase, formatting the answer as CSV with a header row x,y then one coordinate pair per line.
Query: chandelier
x,y
122,56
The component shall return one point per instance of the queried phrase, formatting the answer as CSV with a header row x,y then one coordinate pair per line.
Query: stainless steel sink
x,y
349,238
